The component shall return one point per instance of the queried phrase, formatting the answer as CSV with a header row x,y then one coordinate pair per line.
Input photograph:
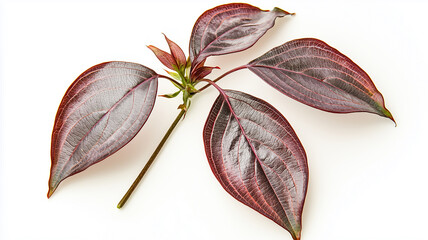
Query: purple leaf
x,y
229,28
257,158
102,110
313,73
201,72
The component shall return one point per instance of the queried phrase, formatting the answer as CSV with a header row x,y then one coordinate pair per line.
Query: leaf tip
x,y
281,12
53,184
386,113
296,235
50,192
166,38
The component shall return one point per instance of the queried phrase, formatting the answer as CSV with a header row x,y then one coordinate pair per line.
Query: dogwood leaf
x,y
229,28
257,157
103,110
312,72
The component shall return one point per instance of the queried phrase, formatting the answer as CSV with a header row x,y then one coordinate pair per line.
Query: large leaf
x,y
312,72
257,158
103,110
229,28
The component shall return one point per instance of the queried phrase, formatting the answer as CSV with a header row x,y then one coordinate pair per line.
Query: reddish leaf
x,y
257,158
312,72
177,53
229,28
103,110
201,72
165,58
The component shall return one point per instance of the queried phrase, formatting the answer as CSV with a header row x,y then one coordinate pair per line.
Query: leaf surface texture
x,y
102,110
229,28
257,157
312,72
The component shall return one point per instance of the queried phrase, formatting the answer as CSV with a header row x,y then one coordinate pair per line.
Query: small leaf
x,y
171,95
201,72
177,53
174,75
311,72
229,28
102,111
257,158
165,58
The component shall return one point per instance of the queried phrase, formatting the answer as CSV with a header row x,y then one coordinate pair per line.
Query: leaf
x,y
257,158
103,110
201,72
165,58
311,72
177,53
171,95
229,28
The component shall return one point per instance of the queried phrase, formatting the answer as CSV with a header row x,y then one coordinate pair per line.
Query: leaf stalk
x,y
177,84
222,76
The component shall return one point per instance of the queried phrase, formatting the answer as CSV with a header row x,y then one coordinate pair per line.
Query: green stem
x,y
151,160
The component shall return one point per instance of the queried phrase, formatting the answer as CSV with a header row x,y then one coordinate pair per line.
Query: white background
x,y
367,177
